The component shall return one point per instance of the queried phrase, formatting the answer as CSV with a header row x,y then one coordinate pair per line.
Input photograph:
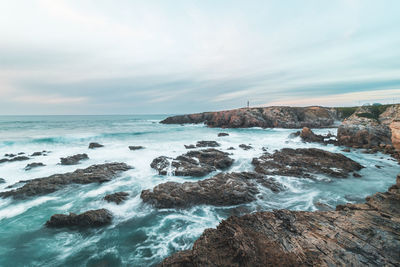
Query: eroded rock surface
x,y
193,163
94,174
136,147
117,197
223,134
95,145
14,158
354,235
307,135
33,165
305,162
73,160
91,218
223,189
207,144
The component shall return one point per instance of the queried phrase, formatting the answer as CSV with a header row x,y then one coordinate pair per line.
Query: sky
x,y
184,56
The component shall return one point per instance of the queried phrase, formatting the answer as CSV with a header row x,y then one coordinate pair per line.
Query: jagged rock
x,y
40,153
33,165
190,146
352,235
223,189
193,163
91,218
95,145
309,136
305,162
346,150
136,147
245,147
75,159
2,181
356,175
223,134
21,153
231,148
40,186
207,144
9,155
117,197
267,117
17,158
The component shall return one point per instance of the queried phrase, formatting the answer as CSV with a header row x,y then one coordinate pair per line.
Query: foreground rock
x,y
305,162
353,235
73,160
307,135
15,158
117,198
136,147
267,117
94,174
224,189
95,145
33,165
193,163
91,218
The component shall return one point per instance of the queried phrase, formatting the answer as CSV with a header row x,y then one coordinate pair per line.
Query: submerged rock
x,y
117,197
91,218
40,153
17,158
136,147
33,165
305,162
2,181
353,235
207,144
190,146
309,136
73,160
223,134
193,163
95,145
94,174
245,147
223,189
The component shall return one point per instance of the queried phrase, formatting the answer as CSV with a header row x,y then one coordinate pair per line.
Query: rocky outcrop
x,y
305,162
94,174
73,160
308,136
224,189
207,144
395,129
245,147
363,130
40,153
353,235
14,158
193,163
117,197
95,145
136,147
267,117
223,134
91,218
391,118
2,181
30,166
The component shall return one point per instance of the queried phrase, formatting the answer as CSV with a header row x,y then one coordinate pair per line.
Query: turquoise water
x,y
141,235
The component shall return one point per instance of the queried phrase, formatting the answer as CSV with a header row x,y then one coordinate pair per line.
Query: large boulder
x,y
193,163
224,189
73,160
99,173
91,218
305,162
117,197
353,235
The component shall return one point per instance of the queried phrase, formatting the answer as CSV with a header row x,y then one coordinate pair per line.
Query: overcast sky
x,y
138,57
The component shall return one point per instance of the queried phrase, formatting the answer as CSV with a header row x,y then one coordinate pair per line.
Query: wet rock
x,y
352,235
33,165
2,181
94,174
356,175
40,153
91,218
231,148
305,162
190,146
309,136
245,147
9,155
322,206
223,134
346,150
17,158
193,163
207,144
223,189
118,197
378,166
21,153
267,117
136,147
95,145
73,160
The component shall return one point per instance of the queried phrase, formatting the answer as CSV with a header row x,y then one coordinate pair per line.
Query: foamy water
x,y
141,235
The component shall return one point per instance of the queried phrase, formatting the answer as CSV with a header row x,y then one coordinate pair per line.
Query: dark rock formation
x,y
40,153
73,160
207,144
309,136
223,134
305,162
245,147
223,189
193,163
136,147
231,148
117,197
9,155
94,174
2,181
33,165
17,158
91,218
353,235
282,117
190,146
95,145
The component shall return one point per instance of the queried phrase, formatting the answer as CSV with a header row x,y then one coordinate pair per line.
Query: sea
x,y
141,235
